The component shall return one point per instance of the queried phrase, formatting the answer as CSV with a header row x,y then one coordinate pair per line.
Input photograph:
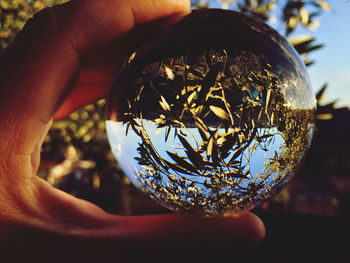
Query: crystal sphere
x,y
212,117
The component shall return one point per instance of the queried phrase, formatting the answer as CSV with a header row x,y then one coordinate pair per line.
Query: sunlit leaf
x,y
137,98
292,22
192,97
210,147
169,73
304,16
212,151
268,95
131,58
222,114
164,104
324,5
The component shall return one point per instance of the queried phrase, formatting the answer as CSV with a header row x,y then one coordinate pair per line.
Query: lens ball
x,y
214,116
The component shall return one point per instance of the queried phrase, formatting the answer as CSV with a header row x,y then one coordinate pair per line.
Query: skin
x,y
61,61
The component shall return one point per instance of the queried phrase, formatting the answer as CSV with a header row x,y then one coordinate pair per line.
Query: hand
x,y
63,55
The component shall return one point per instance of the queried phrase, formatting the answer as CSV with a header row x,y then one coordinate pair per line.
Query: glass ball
x,y
214,116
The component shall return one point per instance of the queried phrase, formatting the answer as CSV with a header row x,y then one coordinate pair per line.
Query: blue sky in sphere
x,y
332,62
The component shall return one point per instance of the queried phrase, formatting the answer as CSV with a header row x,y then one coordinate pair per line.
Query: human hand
x,y
62,55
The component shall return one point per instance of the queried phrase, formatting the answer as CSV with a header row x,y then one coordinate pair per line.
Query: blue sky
x,y
333,61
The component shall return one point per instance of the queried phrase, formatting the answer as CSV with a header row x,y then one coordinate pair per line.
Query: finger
x,y
42,66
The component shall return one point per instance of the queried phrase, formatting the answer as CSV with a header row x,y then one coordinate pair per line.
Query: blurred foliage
x,y
290,13
79,130
15,13
82,139
79,142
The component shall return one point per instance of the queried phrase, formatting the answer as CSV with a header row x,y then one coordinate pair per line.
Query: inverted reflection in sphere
x,y
213,117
